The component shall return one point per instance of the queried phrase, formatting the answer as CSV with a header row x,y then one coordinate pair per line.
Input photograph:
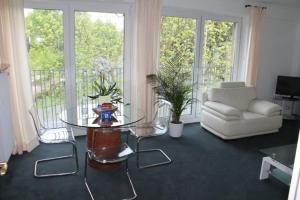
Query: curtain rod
x,y
246,6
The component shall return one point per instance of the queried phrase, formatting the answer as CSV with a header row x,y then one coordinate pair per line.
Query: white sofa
x,y
233,111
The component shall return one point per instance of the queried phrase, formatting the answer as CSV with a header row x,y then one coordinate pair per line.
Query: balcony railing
x,y
49,94
48,88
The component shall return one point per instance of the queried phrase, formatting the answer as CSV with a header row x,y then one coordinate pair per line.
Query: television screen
x,y
288,85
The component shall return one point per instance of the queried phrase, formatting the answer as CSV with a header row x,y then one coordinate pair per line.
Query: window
x,y
208,46
99,43
66,45
178,37
218,48
45,44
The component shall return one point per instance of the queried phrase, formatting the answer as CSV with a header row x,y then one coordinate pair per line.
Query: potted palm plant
x,y
173,84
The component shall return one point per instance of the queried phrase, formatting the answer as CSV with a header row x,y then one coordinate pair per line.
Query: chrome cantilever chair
x,y
158,126
108,155
59,135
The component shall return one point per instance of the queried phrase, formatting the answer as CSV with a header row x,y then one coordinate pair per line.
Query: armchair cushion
x,y
219,115
235,97
223,109
264,108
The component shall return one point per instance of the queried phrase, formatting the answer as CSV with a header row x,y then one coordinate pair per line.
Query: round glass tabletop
x,y
122,116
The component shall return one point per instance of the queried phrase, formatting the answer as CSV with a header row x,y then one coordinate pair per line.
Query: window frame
x,y
200,17
68,8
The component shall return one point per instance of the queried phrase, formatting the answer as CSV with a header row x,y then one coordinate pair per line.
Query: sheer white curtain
x,y
254,43
13,53
145,53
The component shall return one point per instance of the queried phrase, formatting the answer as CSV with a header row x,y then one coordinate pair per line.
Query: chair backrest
x,y
36,120
233,84
223,85
234,94
162,115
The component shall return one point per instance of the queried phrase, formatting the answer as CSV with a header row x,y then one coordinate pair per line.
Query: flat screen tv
x,y
288,86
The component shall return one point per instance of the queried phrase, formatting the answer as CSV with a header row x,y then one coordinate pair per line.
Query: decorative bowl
x,y
99,110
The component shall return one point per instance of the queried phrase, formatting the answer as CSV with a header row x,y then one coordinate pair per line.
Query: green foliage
x,y
45,57
217,57
93,39
178,35
44,31
173,85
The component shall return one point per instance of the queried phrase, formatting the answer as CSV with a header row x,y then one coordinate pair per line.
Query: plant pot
x,y
104,99
175,130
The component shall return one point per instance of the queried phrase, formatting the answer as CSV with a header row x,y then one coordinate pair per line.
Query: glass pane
x,y
178,37
99,43
284,154
217,60
45,44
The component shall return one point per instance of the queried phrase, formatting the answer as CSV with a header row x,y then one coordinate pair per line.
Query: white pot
x,y
175,130
104,99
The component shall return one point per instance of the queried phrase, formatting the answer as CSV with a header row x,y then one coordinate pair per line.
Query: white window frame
x,y
69,7
200,17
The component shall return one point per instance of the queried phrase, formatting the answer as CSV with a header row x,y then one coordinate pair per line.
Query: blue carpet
x,y
204,167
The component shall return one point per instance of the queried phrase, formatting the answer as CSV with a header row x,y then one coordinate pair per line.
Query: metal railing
x,y
48,87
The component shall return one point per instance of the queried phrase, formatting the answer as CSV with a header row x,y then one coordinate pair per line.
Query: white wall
x,y
226,7
280,51
296,64
296,60
278,46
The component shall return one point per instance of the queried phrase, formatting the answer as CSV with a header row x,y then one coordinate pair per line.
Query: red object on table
x,y
107,106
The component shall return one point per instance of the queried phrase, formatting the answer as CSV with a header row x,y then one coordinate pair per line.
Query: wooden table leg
x,y
106,142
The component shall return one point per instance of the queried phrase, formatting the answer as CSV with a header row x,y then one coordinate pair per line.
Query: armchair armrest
x,y
223,108
264,107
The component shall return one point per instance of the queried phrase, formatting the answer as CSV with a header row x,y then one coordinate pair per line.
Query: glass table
x,y
102,133
278,162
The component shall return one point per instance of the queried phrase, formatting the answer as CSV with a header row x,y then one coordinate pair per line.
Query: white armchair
x,y
233,111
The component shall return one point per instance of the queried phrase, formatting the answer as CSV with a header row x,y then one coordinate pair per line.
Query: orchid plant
x,y
104,86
